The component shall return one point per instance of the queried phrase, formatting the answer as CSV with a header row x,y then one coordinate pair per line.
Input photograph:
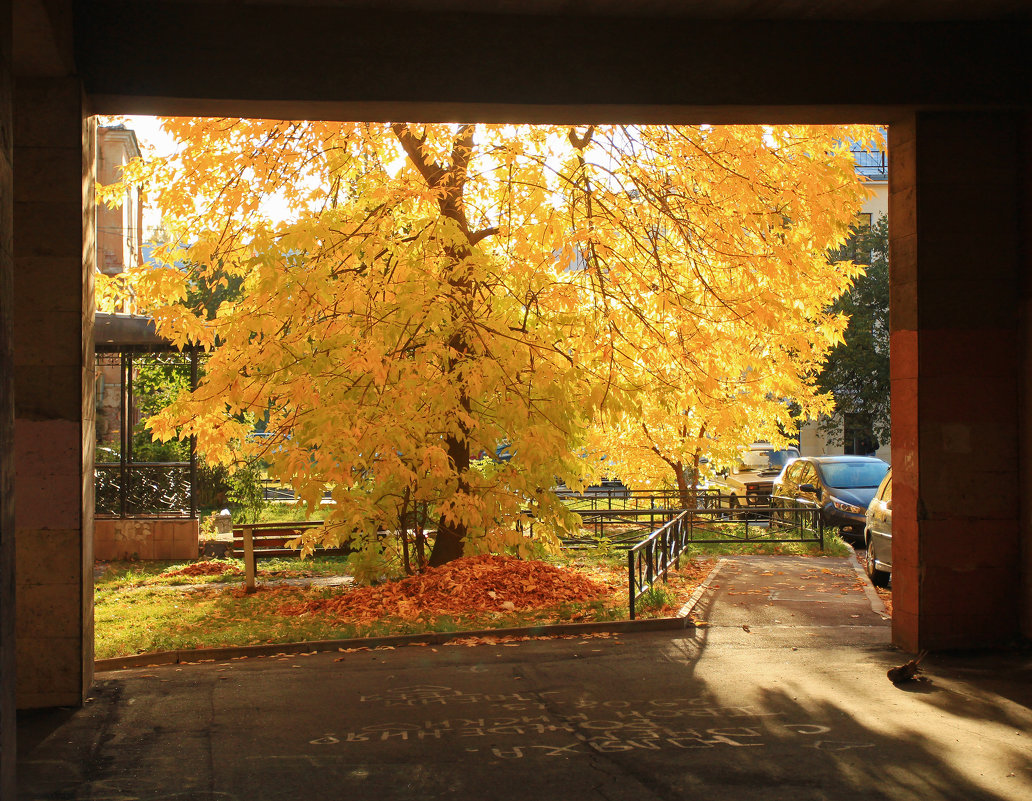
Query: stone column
x,y
955,196
54,390
1026,387
7,641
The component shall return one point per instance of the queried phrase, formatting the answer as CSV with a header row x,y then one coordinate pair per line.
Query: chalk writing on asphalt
x,y
552,725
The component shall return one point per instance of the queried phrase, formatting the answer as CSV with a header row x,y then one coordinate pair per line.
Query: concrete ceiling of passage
x,y
551,60
399,58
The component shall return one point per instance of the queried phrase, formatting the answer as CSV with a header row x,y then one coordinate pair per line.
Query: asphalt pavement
x,y
778,691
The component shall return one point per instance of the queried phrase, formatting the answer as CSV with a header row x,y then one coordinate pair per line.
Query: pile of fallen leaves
x,y
470,585
209,568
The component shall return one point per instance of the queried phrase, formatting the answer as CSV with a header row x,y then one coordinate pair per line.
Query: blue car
x,y
842,486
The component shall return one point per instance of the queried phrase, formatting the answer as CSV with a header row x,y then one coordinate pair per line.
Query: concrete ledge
x,y
431,638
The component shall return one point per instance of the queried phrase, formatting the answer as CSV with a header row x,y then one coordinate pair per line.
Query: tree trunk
x,y
451,181
451,537
685,491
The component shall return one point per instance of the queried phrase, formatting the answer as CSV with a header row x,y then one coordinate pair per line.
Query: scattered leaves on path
x,y
885,594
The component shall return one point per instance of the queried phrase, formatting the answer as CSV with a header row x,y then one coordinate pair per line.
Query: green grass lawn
x,y
139,608
149,620
121,575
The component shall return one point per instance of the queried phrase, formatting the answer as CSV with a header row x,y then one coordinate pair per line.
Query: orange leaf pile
x,y
468,585
209,568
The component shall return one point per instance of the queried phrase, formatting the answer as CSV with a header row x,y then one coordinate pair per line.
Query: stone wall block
x,y
48,393
978,543
970,354
991,165
43,118
162,531
47,455
49,671
48,610
47,556
903,346
51,172
964,299
49,229
43,283
49,344
960,631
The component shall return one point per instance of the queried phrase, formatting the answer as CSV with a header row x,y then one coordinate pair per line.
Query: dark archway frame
x,y
948,81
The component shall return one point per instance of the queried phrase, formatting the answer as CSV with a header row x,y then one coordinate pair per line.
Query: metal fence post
x,y
630,583
249,566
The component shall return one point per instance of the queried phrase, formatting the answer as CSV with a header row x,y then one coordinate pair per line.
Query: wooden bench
x,y
262,540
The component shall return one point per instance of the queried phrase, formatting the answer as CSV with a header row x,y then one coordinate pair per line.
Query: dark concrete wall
x,y
956,205
1024,169
337,62
53,382
7,612
960,462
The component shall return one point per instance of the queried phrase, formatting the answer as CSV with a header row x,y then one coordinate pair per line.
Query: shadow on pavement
x,y
664,716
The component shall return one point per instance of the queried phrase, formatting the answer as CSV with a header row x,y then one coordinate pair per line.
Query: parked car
x,y
878,533
749,482
842,486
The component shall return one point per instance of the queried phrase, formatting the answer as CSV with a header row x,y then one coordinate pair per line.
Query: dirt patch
x,y
470,585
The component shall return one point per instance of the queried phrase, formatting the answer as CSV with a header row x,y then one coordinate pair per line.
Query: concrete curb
x,y
877,605
190,656
689,607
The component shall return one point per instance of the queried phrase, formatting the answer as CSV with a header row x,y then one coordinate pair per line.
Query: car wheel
x,y
879,578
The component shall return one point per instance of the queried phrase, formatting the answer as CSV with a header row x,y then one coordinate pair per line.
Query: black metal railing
x,y
623,498
143,488
652,558
786,520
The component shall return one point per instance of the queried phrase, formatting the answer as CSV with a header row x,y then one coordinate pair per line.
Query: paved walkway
x,y
782,696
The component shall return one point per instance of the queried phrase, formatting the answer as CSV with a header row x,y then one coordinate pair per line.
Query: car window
x,y
853,475
766,459
887,491
778,459
807,475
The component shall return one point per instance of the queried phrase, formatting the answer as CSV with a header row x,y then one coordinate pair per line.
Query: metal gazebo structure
x,y
143,509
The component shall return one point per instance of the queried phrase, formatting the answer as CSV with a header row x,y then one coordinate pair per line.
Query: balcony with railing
x,y
873,165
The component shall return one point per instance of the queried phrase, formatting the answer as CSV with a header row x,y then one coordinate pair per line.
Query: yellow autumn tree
x,y
731,324
414,296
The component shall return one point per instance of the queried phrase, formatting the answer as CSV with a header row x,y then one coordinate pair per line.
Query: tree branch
x,y
433,173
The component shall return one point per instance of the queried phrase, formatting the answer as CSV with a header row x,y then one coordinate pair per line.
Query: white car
x,y
878,533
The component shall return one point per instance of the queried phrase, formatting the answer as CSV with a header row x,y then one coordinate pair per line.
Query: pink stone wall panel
x,y
47,556
55,675
905,631
47,471
145,538
48,610
969,354
960,631
969,544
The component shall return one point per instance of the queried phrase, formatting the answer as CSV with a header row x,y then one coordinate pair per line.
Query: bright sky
x,y
150,135
155,142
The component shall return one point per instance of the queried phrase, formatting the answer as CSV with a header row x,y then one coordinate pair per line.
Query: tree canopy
x,y
857,373
415,296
